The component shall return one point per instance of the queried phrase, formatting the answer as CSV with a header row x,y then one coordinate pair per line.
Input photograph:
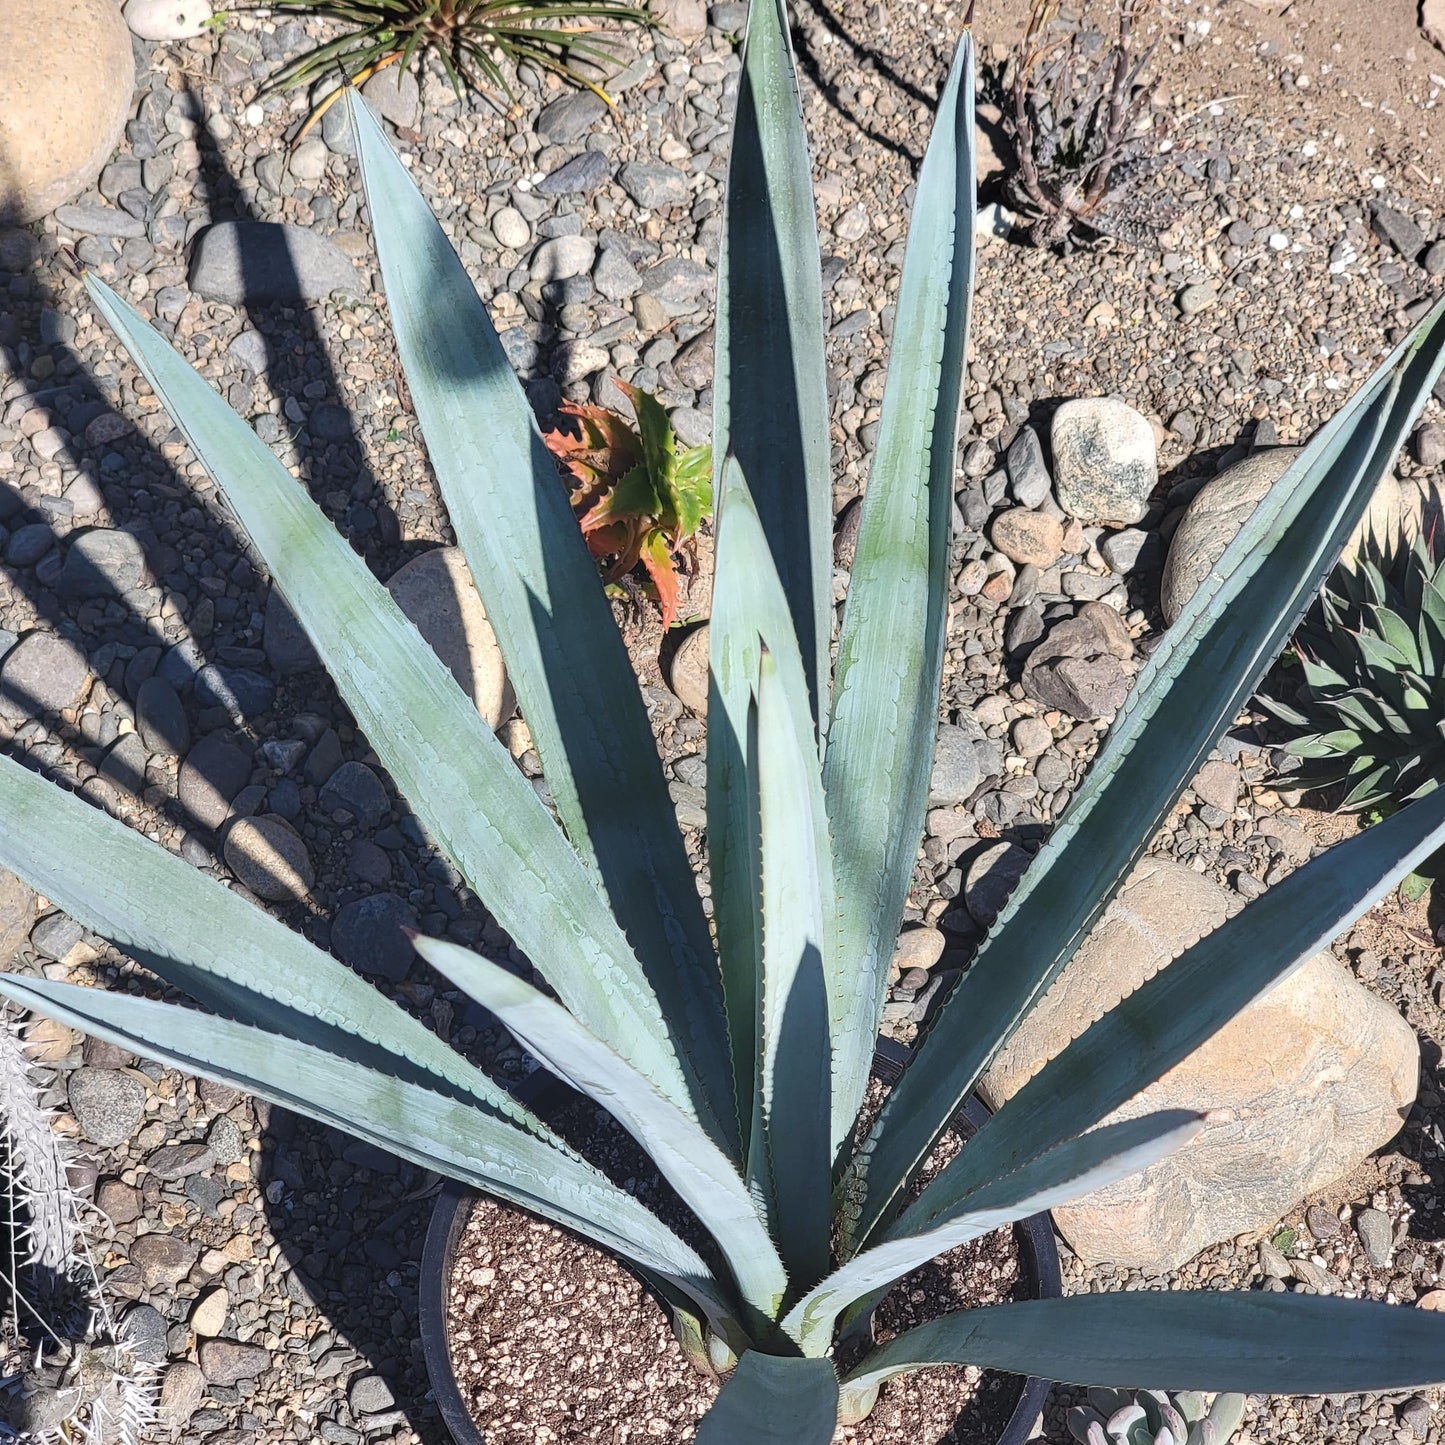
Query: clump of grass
x,y
66,1377
474,41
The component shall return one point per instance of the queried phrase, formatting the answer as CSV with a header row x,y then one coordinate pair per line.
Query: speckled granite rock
x,y
1225,503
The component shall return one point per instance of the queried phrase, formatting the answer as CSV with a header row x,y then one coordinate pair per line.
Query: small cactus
x,y
1153,1417
65,1376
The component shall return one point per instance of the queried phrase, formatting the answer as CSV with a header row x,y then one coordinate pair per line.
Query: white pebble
x,y
308,161
254,114
167,19
994,223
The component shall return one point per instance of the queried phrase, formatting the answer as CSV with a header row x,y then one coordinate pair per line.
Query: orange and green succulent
x,y
638,494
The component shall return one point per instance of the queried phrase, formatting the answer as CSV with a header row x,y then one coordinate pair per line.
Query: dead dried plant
x,y
67,1376
1085,137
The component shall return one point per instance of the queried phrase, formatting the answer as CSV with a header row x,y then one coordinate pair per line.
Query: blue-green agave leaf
x,y
774,1400
750,613
214,945
1074,1169
705,1178
1189,1000
434,1132
1203,671
1257,1343
770,393
457,776
799,940
890,655
565,657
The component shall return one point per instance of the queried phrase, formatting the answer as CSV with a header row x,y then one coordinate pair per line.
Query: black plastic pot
x,y
1038,1261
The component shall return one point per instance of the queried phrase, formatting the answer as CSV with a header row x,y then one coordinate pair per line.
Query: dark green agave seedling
x,y
1372,664
738,1054
1153,1417
1371,657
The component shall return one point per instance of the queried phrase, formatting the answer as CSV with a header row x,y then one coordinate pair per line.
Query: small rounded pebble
x,y
268,855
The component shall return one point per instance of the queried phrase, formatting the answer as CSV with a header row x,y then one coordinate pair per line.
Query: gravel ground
x,y
272,1264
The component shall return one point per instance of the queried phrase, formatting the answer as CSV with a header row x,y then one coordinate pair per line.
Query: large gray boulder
x,y
1209,524
256,262
436,591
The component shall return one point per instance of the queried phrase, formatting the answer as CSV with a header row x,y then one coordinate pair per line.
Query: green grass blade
x,y
202,938
425,1128
795,1065
1170,1015
770,393
1074,1169
890,656
1258,1343
565,657
457,776
704,1177
774,1400
1204,670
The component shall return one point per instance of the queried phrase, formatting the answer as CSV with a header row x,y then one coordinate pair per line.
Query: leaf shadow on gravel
x,y
361,1269
70,600
350,1219
1422,1140
322,1189
333,462
869,60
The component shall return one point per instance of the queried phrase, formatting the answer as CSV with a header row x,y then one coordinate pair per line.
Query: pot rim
x,y
1038,1261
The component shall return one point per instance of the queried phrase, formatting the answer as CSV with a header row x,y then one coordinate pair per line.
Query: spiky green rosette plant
x,y
740,1061
1371,699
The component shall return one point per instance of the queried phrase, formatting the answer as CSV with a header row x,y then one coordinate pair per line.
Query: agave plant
x,y
1372,680
1154,1417
638,495
739,1059
1077,108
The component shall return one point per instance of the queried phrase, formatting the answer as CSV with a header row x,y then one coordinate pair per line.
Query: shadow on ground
x,y
191,562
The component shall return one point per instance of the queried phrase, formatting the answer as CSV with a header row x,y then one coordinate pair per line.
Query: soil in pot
x,y
553,1341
